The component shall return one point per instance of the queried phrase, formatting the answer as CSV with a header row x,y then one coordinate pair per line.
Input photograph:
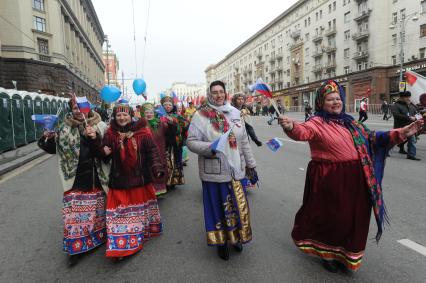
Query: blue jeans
x,y
411,146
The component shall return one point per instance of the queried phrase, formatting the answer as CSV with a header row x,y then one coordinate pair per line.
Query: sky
x,y
183,36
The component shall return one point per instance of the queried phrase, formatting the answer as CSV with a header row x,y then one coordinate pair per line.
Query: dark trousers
x,y
251,132
363,116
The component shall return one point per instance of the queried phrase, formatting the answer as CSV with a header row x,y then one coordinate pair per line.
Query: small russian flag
x,y
175,98
161,112
263,88
274,144
220,143
48,121
83,104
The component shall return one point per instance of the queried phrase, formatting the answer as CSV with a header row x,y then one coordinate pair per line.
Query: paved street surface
x,y
31,228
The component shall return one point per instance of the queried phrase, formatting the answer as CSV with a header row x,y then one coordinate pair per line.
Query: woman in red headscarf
x,y
132,215
343,180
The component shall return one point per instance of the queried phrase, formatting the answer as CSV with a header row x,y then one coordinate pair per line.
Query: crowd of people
x,y
112,174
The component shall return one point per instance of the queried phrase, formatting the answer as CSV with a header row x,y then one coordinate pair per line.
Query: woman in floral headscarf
x,y
132,214
163,129
174,144
221,167
343,180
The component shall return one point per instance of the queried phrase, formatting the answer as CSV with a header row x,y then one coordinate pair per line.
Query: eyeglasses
x,y
218,92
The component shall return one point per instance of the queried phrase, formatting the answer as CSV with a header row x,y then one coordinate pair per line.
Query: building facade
x,y
187,91
111,68
356,42
51,46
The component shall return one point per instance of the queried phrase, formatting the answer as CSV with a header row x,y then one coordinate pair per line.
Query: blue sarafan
x,y
274,144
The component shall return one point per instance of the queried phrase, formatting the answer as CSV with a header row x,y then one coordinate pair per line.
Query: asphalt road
x,y
31,228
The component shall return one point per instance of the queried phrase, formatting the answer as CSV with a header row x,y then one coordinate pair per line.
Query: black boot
x,y
238,247
329,266
223,252
73,259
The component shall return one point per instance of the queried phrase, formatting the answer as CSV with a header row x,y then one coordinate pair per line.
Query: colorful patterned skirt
x,y
83,214
160,188
334,219
226,213
132,218
175,167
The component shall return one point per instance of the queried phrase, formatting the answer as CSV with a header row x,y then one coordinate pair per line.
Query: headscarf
x,y
367,144
155,121
122,108
235,97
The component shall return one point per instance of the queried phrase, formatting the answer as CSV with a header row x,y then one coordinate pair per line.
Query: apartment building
x,y
51,46
356,42
187,90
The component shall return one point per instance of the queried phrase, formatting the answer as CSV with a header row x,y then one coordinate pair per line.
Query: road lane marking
x,y
23,168
413,245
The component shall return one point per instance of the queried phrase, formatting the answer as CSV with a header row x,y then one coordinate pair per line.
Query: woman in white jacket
x,y
221,167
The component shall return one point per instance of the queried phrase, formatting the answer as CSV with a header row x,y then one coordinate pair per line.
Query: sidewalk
x,y
13,159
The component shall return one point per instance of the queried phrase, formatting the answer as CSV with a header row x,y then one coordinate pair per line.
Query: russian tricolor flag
x,y
220,143
175,98
274,144
262,88
416,84
48,121
83,104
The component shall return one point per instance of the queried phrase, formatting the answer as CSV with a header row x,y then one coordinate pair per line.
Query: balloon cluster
x,y
110,94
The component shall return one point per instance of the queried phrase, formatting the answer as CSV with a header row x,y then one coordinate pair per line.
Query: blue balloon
x,y
139,86
110,94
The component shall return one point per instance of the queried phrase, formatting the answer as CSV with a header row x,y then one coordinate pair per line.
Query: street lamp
x,y
107,56
402,24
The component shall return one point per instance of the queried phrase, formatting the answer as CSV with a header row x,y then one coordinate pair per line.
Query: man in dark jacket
x,y
404,114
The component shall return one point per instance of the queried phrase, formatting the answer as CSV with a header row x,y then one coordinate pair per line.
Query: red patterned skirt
x,y
334,219
132,217
83,214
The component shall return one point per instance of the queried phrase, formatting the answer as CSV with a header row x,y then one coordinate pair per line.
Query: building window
x,y
39,24
347,35
423,4
394,18
422,52
393,60
346,53
38,5
43,46
403,14
423,30
346,70
347,17
334,6
394,39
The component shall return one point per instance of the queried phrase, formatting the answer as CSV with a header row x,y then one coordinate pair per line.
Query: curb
x,y
12,165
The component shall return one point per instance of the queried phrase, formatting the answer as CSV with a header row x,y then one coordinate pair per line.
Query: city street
x,y
31,227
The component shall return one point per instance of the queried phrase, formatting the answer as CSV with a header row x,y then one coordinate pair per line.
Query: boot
x,y
238,247
223,252
329,266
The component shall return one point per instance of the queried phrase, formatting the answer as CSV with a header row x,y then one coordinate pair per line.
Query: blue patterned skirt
x,y
226,213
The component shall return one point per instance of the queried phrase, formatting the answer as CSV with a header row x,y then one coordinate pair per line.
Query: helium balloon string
x,y
134,38
145,37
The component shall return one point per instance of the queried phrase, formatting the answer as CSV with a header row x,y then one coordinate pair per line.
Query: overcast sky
x,y
184,36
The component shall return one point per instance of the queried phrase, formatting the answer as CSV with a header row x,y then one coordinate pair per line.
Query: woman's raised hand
x,y
413,128
286,122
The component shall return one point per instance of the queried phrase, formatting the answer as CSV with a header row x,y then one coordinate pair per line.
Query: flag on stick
x,y
220,143
47,121
83,104
416,84
274,144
